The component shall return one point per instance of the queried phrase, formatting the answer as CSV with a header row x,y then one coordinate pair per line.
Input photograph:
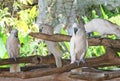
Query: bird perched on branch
x,y
13,46
52,47
104,27
78,45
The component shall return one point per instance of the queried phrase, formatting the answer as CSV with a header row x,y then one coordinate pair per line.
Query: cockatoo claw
x,y
78,63
83,61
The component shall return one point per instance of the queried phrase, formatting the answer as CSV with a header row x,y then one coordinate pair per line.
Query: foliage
x,y
24,21
24,24
95,51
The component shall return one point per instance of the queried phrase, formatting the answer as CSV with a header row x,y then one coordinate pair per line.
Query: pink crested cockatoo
x,y
104,27
53,47
78,45
13,46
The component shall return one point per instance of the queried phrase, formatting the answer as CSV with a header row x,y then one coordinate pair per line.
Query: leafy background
x,y
24,21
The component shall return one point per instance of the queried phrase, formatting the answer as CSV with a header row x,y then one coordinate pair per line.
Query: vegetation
x,y
24,21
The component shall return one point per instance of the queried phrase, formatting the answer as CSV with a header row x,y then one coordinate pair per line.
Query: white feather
x,y
103,27
53,47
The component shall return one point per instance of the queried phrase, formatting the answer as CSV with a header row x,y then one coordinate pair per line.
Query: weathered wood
x,y
108,59
85,75
55,37
89,76
29,67
92,41
97,76
30,59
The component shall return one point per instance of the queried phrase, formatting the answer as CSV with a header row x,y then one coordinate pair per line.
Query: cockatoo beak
x,y
75,30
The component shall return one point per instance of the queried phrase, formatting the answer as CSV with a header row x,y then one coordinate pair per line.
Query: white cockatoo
x,y
53,47
104,27
78,45
13,46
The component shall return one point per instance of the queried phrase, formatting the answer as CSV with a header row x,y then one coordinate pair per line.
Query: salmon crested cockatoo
x,y
53,47
78,45
104,27
13,46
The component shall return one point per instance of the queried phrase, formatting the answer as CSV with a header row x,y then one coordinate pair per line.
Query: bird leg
x,y
83,61
78,62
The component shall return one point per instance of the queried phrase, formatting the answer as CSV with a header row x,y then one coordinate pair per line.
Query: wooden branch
x,y
89,76
38,73
104,60
31,59
105,42
92,41
108,59
55,37
96,76
29,67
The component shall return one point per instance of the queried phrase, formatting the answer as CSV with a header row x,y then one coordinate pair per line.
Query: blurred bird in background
x,y
78,45
13,46
53,47
104,27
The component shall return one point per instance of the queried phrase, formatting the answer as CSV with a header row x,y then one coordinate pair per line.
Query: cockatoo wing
x,y
53,47
72,49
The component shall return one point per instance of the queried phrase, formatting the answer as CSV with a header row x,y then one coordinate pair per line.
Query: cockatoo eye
x,y
75,30
40,29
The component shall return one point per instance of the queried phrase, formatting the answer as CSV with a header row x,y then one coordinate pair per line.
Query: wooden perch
x,y
55,37
92,41
29,67
89,76
38,73
108,59
96,76
30,59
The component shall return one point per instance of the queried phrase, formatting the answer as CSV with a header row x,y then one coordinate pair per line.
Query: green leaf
x,y
29,1
2,49
63,31
33,12
103,12
94,15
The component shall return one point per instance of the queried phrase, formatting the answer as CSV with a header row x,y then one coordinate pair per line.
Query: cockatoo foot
x,y
83,61
78,63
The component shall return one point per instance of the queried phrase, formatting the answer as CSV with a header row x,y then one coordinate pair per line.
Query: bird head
x,y
46,29
78,29
14,33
